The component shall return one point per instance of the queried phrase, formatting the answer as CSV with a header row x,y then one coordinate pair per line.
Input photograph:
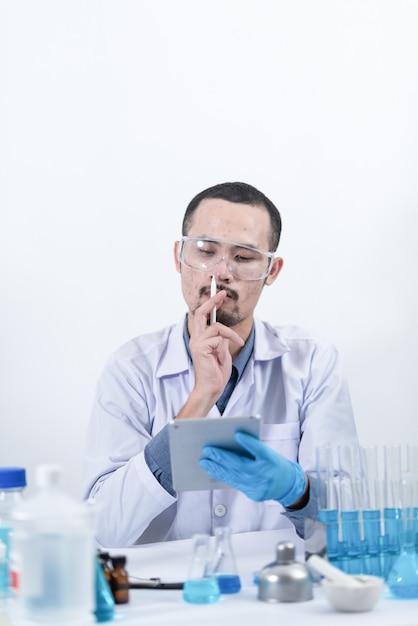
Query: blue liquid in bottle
x,y
201,591
229,583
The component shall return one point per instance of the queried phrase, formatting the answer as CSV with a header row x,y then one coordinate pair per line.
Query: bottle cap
x,y
12,477
118,560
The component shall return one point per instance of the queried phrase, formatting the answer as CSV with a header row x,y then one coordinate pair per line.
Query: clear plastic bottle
x,y
12,485
53,555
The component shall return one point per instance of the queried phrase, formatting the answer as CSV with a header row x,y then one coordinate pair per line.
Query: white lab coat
x,y
293,380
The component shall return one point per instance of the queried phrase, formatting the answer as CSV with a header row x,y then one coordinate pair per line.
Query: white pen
x,y
213,293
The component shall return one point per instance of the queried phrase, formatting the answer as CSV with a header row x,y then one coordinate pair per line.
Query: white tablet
x,y
187,437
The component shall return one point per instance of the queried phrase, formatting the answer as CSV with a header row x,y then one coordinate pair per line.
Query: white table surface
x,y
170,562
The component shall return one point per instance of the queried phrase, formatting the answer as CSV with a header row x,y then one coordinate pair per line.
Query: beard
x,y
227,318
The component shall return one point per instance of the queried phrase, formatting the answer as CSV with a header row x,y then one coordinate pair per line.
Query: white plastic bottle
x,y
52,556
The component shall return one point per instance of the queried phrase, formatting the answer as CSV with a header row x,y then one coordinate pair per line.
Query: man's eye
x,y
206,252
243,259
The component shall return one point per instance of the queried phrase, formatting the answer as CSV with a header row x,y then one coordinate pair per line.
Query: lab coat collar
x,y
270,343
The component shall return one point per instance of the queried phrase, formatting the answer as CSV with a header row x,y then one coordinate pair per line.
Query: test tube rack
x,y
368,503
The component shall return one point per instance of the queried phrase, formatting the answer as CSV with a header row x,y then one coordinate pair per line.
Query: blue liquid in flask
x,y
229,583
201,591
403,577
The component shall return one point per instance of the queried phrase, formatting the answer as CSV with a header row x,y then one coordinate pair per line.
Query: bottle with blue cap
x,y
12,485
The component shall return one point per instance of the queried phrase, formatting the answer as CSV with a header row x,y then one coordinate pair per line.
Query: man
x,y
236,366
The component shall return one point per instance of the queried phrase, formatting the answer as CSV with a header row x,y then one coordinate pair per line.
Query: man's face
x,y
237,223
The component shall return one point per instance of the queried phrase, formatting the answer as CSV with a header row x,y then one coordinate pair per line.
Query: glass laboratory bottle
x,y
222,565
119,580
52,555
12,485
105,602
200,588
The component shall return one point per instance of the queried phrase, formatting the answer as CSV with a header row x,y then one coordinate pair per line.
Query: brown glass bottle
x,y
119,582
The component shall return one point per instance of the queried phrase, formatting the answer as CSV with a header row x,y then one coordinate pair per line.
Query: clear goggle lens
x,y
244,262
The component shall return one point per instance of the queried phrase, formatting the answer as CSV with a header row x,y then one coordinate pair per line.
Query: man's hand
x,y
212,361
265,475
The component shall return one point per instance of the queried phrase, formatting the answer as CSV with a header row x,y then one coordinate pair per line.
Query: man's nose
x,y
222,270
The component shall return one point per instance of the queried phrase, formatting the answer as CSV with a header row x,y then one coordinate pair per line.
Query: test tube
x,y
412,465
327,498
392,511
371,511
350,490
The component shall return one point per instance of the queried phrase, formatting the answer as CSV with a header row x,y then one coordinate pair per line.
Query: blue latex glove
x,y
267,475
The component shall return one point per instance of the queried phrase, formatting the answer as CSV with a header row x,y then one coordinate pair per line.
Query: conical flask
x,y
403,577
200,587
222,565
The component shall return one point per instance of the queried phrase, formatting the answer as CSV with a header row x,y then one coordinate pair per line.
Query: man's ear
x,y
275,271
176,252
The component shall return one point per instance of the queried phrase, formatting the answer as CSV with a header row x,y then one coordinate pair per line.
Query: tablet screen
x,y
187,437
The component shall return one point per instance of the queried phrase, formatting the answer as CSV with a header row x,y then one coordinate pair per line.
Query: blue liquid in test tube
x,y
328,512
372,541
329,517
352,542
392,537
392,512
371,511
350,483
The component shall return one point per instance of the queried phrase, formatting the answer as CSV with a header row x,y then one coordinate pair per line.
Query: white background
x,y
115,113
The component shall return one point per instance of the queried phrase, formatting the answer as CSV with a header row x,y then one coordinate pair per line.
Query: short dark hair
x,y
241,193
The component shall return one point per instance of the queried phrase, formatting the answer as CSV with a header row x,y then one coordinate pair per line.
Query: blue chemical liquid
x,y
405,592
4,579
201,591
4,563
229,583
403,577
